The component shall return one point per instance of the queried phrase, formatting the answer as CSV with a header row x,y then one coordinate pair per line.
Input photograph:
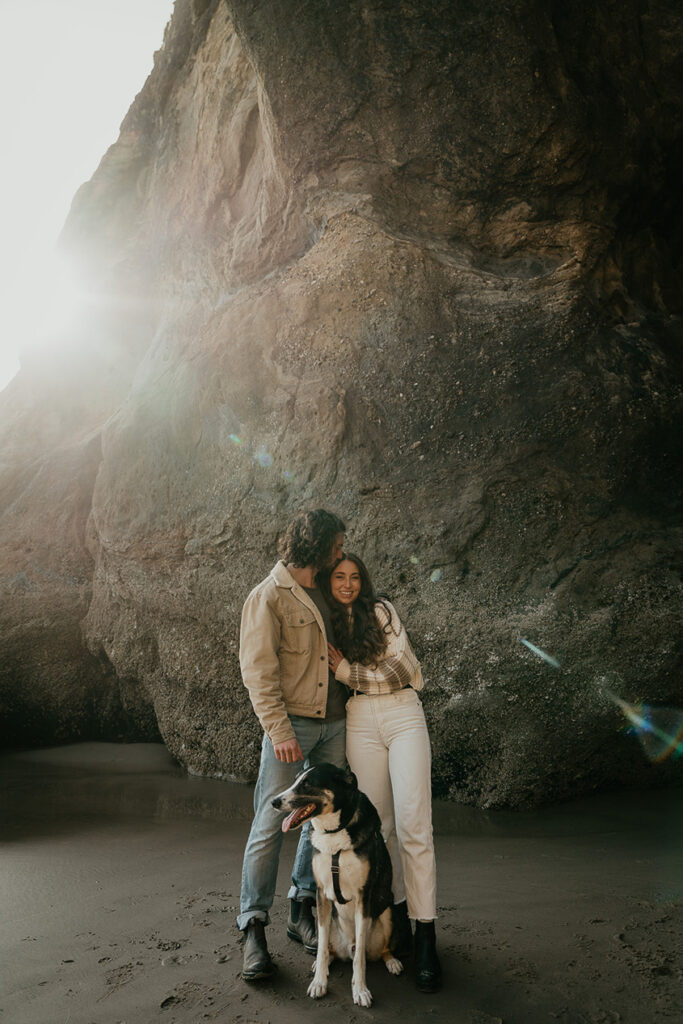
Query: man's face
x,y
337,549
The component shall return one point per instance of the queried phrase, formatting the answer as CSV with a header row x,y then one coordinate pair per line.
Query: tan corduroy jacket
x,y
283,654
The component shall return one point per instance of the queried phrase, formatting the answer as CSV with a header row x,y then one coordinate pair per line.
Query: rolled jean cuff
x,y
252,915
300,894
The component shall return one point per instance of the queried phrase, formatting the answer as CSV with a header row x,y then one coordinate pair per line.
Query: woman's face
x,y
345,582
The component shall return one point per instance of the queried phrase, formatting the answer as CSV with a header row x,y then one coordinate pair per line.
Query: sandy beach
x,y
120,884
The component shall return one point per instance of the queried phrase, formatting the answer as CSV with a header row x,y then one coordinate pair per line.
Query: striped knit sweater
x,y
397,668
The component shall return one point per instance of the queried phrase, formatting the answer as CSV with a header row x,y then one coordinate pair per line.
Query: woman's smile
x,y
345,582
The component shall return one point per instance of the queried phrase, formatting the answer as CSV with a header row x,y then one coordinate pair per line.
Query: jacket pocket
x,y
299,628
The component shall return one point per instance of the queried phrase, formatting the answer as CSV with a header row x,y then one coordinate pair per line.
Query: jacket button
x,y
320,684
322,657
318,712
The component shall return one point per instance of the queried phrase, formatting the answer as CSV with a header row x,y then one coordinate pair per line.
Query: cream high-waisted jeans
x,y
387,746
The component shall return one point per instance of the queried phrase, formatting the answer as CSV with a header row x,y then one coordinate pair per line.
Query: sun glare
x,y
44,308
60,305
71,72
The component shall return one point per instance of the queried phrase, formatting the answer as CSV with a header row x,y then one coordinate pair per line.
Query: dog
x,y
352,869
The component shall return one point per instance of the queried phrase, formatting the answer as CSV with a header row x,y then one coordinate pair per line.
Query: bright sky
x,y
69,71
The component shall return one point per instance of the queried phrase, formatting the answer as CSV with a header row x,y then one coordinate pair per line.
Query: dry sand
x,y
120,884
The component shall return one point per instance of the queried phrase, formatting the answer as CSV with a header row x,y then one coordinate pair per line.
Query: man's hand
x,y
334,657
289,751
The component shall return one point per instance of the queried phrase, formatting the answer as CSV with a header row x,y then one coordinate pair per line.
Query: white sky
x,y
69,71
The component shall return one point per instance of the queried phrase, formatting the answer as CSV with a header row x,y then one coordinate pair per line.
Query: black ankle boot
x,y
256,962
427,966
402,934
301,925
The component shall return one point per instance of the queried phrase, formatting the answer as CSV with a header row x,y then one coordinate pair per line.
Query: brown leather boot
x,y
301,925
256,962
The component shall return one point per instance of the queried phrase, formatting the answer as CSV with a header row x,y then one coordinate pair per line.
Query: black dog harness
x,y
335,878
335,862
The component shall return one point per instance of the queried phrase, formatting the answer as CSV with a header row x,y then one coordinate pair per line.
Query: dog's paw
x,y
362,996
317,989
393,965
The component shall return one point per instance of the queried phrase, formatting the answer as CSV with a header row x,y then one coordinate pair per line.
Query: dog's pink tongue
x,y
297,816
287,823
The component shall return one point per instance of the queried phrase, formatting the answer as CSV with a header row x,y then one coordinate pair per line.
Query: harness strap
x,y
335,879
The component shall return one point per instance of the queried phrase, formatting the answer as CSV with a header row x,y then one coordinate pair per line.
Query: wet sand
x,y
119,887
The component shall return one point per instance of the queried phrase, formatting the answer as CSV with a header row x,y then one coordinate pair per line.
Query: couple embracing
x,y
332,677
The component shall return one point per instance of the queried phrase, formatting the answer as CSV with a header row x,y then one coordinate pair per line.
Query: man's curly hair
x,y
309,539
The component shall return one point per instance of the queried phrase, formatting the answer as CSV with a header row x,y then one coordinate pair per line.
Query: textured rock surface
x,y
415,262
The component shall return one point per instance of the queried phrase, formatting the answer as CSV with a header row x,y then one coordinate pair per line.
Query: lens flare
x,y
436,575
235,439
414,559
553,662
659,730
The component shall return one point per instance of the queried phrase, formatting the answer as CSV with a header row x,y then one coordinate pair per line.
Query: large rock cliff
x,y
416,262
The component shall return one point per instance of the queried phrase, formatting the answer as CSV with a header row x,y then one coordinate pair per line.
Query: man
x,y
301,707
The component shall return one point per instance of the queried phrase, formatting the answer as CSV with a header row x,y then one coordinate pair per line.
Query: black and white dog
x,y
353,872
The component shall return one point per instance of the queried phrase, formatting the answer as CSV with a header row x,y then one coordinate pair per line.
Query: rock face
x,y
415,262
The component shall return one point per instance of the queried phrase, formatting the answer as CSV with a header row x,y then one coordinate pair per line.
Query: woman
x,y
387,744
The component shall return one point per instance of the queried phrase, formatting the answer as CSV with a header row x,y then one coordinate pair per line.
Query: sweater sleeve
x,y
397,668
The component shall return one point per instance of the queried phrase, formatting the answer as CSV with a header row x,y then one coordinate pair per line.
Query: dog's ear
x,y
350,778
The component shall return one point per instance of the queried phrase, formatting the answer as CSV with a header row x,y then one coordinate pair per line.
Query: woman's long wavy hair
x,y
358,634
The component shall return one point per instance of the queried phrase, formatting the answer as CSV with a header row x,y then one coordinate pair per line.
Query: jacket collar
x,y
282,575
283,578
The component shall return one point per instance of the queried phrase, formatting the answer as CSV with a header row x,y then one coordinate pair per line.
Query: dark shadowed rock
x,y
415,262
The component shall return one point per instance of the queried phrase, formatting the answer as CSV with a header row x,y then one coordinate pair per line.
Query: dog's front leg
x,y
318,986
361,993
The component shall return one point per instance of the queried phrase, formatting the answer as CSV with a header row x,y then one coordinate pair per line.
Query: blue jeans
x,y
319,741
